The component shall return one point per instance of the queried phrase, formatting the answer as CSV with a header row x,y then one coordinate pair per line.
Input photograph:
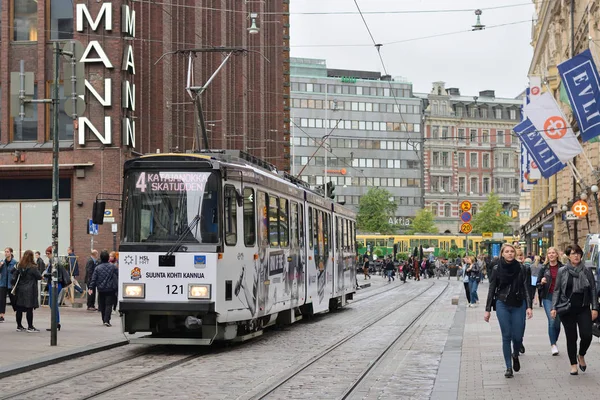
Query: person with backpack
x,y
574,295
106,280
64,281
508,294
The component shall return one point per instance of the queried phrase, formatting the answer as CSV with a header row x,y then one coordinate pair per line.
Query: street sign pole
x,y
55,177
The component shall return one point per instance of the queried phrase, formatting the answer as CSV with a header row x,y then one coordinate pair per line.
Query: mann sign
x,y
94,54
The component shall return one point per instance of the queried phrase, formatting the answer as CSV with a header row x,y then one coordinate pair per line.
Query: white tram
x,y
218,245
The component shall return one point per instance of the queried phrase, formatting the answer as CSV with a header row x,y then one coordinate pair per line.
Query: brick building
x,y
469,152
136,102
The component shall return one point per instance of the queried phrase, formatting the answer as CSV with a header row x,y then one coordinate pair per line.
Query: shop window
x,y
61,19
25,21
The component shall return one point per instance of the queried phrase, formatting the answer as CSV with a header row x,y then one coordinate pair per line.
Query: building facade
x,y
563,29
135,76
372,124
469,153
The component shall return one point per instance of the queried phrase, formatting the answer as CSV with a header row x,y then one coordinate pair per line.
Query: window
x,y
506,160
283,223
26,130
484,113
263,221
447,210
474,209
461,160
310,227
485,136
273,221
65,122
249,217
500,137
436,158
461,135
459,111
473,135
462,184
435,183
25,20
444,132
445,159
498,113
485,161
435,132
486,185
473,160
474,185
230,208
434,209
513,114
473,112
61,19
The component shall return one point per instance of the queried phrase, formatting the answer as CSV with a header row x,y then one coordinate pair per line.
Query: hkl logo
x,y
136,274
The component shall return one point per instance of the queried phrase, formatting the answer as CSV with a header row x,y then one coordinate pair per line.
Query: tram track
x,y
289,376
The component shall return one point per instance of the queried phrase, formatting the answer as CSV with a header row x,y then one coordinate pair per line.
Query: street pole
x,y
326,138
55,181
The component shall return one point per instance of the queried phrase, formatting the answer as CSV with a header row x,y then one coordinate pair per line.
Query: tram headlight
x,y
134,290
196,291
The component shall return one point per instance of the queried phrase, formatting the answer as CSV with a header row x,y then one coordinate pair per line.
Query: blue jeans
x,y
58,290
473,284
512,326
553,324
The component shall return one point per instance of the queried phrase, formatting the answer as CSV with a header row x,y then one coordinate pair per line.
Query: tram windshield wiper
x,y
168,260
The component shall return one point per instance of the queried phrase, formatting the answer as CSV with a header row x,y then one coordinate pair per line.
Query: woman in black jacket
x,y
574,293
25,277
546,282
508,291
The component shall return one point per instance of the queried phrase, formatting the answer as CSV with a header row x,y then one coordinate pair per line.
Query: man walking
x,y
106,280
89,272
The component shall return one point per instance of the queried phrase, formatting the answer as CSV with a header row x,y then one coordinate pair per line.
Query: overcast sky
x,y
497,58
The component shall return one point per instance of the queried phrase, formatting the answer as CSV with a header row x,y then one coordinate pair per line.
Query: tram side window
x,y
273,220
301,225
263,220
230,216
326,230
294,224
353,236
284,233
249,217
310,228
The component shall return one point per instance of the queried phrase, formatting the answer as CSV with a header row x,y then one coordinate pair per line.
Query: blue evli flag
x,y
582,84
546,160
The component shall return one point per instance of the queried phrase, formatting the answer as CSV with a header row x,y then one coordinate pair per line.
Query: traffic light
x,y
540,242
330,190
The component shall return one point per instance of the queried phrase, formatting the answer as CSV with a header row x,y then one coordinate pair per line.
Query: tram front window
x,y
161,207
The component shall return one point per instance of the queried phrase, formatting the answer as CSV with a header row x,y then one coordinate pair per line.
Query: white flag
x,y
535,87
549,120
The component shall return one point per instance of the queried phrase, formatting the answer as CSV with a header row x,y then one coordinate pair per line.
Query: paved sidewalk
x,y
541,377
81,332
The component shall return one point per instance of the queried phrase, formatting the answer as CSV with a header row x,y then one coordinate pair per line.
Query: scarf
x,y
580,279
508,271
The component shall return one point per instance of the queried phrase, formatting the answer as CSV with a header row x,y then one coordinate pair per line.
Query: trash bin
x,y
453,270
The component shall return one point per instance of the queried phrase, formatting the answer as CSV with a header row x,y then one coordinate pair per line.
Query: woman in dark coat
x,y
25,277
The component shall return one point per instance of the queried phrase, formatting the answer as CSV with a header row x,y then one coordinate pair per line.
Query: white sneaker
x,y
554,350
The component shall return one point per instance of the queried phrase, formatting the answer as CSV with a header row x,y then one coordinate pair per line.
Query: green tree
x,y
423,223
375,211
490,217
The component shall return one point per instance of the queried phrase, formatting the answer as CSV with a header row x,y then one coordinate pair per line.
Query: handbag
x,y
14,289
565,307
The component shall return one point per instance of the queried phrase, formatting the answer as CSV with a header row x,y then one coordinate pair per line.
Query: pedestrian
x,y
546,280
474,275
63,280
91,264
467,289
106,280
574,293
6,269
508,294
41,266
536,266
389,269
24,279
366,267
533,281
521,258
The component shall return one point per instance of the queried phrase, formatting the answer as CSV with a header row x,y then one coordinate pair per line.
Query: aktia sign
x,y
94,54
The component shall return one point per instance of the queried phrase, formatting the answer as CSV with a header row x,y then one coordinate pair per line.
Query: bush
x,y
443,254
452,254
378,252
401,256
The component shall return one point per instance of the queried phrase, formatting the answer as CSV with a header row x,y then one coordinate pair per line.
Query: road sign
x,y
466,228
580,208
570,216
465,206
108,213
92,228
487,235
465,217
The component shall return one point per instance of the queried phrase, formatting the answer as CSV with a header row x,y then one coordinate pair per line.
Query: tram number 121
x,y
174,289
